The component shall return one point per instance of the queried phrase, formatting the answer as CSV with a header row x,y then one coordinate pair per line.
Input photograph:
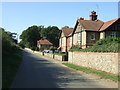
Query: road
x,y
38,72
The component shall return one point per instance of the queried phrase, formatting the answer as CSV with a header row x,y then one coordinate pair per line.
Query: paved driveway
x,y
38,72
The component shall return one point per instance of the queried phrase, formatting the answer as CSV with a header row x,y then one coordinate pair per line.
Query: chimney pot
x,y
81,18
93,16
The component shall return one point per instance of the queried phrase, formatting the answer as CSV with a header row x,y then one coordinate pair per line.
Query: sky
x,y
18,16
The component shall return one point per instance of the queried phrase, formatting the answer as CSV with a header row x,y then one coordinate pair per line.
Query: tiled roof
x,y
108,23
96,25
67,31
46,42
90,25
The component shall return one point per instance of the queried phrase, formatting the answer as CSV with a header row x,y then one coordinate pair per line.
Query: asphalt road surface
x,y
39,72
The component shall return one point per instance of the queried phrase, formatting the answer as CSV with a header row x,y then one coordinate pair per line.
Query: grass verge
x,y
102,74
10,65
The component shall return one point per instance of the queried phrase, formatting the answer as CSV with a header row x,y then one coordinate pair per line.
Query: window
x,y
93,36
113,34
70,40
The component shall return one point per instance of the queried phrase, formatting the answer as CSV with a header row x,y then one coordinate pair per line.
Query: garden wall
x,y
56,57
40,53
48,55
107,62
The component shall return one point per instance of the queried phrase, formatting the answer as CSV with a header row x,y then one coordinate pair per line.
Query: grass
x,y
10,65
102,74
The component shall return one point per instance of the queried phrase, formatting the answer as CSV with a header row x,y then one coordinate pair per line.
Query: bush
x,y
53,48
108,44
37,49
33,48
11,59
21,45
108,40
75,48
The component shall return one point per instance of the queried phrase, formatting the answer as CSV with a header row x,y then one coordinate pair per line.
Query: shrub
x,y
37,49
11,59
53,48
33,48
21,45
108,40
109,44
75,48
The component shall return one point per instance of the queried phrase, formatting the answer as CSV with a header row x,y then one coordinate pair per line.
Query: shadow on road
x,y
36,72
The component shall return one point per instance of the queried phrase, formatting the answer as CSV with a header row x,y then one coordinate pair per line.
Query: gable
x,y
87,25
79,28
62,35
67,31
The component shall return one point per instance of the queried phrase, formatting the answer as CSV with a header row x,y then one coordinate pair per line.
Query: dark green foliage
x,y
75,48
33,48
52,34
21,44
11,59
7,43
108,40
65,27
108,44
53,48
32,34
10,65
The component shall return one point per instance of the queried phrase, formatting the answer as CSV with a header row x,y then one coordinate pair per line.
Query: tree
x,y
65,27
30,36
53,48
8,46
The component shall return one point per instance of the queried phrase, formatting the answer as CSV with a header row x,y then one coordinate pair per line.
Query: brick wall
x,y
107,62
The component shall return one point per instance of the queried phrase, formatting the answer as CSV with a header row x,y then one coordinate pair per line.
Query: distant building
x,y
43,44
87,32
65,42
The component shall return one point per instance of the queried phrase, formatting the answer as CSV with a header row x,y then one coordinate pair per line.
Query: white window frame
x,y
70,40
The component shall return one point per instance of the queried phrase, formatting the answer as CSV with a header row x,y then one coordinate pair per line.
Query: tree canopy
x,y
65,27
32,34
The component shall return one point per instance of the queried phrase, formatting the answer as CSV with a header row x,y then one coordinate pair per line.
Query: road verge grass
x,y
87,70
10,65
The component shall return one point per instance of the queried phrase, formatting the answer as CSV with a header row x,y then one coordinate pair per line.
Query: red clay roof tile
x,y
108,23
67,31
46,42
90,25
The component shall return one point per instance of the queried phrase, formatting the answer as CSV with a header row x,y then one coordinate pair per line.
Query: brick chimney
x,y
81,18
93,16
